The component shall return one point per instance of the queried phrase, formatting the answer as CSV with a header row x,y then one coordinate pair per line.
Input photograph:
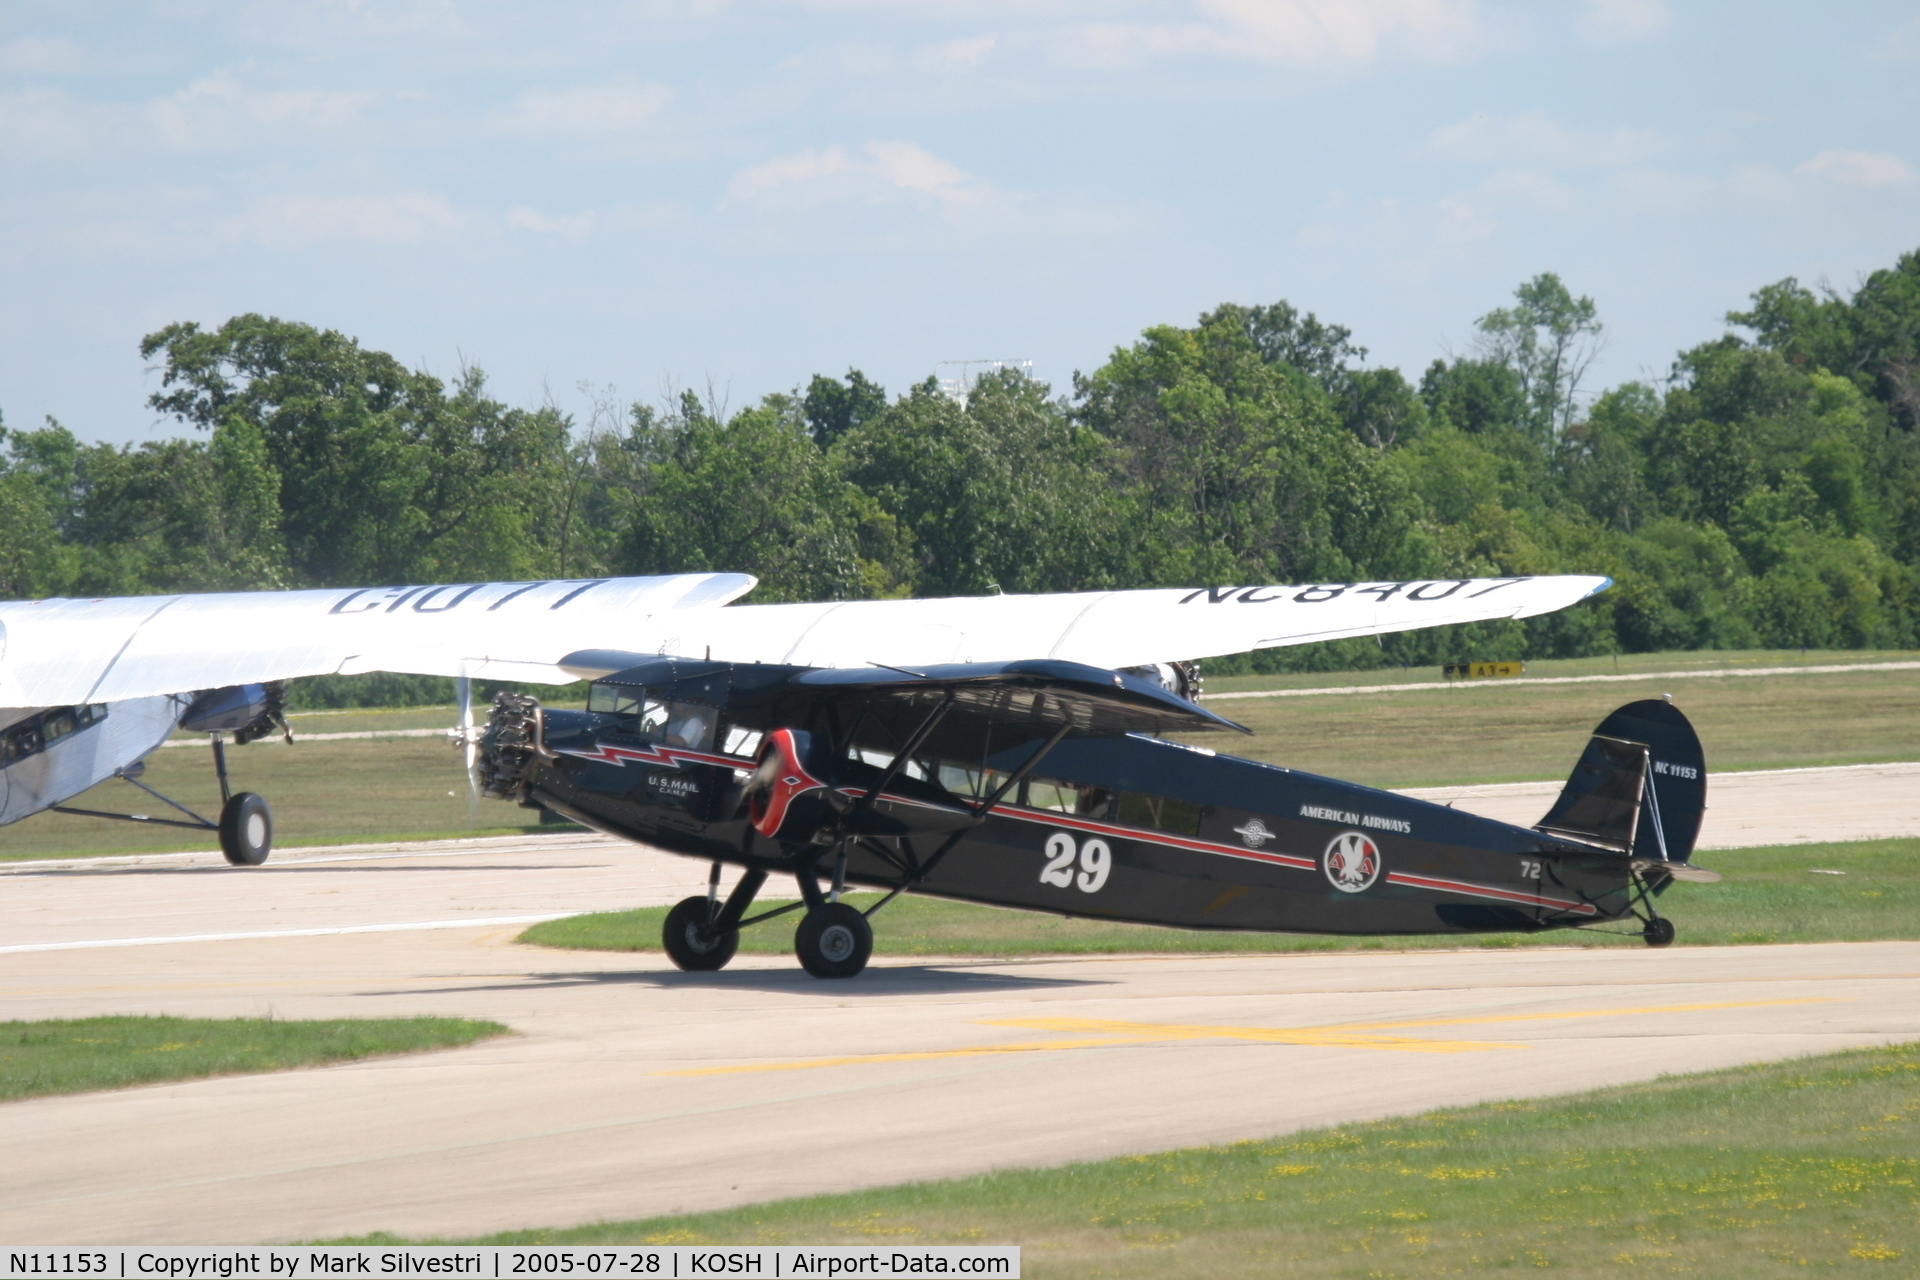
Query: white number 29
x,y
1095,859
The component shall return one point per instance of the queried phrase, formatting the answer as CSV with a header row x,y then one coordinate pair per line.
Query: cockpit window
x,y
676,724
614,699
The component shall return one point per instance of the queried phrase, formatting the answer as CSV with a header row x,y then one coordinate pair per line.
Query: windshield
x,y
676,724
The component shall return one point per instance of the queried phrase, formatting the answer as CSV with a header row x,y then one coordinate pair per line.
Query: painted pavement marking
x,y
1352,1035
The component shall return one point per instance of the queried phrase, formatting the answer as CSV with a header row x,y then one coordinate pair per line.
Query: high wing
x,y
74,652
71,652
1110,629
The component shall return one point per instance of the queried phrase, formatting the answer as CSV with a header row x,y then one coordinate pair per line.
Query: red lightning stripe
x,y
674,756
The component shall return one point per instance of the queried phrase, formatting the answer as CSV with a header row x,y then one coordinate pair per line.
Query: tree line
x,y
1765,494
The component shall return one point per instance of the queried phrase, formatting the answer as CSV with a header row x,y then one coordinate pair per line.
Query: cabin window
x,y
1162,813
961,779
24,740
1066,797
55,725
682,724
742,742
35,734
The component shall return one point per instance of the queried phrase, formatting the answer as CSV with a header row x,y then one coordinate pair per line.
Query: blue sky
x,y
694,193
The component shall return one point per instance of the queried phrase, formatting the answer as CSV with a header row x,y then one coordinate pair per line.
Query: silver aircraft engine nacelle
x,y
247,711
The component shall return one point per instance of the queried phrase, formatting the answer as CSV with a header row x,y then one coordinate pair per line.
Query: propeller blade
x,y
469,746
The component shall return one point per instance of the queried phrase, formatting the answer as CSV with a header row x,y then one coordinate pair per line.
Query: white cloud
x,y
1618,21
954,55
52,123
1874,170
882,171
1533,139
623,108
220,111
1459,222
806,165
1902,44
292,222
1530,186
1303,34
32,54
914,169
569,226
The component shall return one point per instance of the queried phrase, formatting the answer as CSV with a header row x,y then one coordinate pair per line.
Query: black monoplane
x,y
1053,786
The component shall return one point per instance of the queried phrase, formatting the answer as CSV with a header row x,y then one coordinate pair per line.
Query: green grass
x,y
82,1054
1605,665
1769,895
1487,733
341,792
1762,1171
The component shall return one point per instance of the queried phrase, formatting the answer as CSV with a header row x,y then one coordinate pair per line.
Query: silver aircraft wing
x,y
1108,629
69,652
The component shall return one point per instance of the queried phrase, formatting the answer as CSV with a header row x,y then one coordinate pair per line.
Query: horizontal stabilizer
x,y
1678,870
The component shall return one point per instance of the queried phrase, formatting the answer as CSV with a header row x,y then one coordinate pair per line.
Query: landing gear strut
x,y
834,939
246,820
1655,929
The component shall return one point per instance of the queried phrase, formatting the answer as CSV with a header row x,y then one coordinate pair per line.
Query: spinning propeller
x,y
468,742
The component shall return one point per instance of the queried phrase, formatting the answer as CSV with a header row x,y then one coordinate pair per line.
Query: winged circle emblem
x,y
1255,833
1352,862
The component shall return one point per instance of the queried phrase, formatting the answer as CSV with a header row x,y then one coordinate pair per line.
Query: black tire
x,y
1659,932
246,830
689,945
833,941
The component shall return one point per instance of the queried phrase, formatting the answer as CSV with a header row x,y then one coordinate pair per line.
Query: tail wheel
x,y
1659,932
690,944
833,941
246,830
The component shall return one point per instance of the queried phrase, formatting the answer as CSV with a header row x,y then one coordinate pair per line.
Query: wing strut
x,y
905,753
980,814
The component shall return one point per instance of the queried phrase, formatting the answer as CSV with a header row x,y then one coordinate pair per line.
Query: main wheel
x,y
833,941
246,830
1659,932
690,944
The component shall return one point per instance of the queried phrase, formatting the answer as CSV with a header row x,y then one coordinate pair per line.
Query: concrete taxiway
x,y
629,1089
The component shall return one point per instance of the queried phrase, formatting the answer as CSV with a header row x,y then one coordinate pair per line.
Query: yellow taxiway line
x,y
1111,1034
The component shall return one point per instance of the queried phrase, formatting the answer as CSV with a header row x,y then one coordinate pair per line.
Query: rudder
x,y
1640,787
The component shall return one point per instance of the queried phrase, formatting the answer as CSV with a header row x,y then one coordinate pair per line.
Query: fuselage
x,y
48,755
1127,828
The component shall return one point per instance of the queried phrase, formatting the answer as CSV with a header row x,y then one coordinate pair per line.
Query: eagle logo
x,y
1352,862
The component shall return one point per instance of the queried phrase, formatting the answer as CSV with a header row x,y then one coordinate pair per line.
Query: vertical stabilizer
x,y
1640,787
